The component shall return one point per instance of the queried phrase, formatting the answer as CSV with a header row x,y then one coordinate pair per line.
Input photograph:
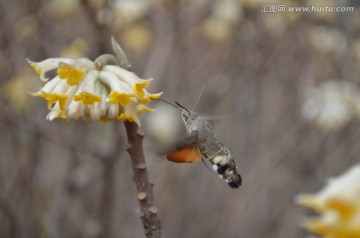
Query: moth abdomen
x,y
236,181
226,168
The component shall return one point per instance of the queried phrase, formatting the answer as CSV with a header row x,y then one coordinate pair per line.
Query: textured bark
x,y
145,197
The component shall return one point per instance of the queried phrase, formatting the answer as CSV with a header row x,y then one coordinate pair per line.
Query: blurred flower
x,y
75,49
16,88
330,105
218,27
63,8
26,27
253,4
327,40
96,90
338,205
274,23
163,128
228,10
216,30
128,11
137,37
98,4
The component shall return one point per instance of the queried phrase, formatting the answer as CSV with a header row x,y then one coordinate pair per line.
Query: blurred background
x,y
283,87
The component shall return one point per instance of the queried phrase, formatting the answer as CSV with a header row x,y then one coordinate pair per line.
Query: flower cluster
x,y
99,90
332,104
338,204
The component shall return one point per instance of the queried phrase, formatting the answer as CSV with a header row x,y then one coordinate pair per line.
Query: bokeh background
x,y
282,89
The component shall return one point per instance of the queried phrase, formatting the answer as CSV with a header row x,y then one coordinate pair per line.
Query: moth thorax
x,y
197,124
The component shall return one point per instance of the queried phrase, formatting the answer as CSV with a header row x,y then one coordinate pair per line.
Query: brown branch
x,y
148,211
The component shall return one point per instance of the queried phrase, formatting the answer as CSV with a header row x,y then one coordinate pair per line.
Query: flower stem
x,y
148,210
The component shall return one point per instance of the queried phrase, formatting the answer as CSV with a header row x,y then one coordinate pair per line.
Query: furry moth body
x,y
208,147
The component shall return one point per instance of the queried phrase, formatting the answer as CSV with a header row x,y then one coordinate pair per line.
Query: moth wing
x,y
185,155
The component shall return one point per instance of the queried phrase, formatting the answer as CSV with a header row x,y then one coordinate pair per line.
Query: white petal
x,y
113,111
61,87
55,111
49,64
88,83
70,92
50,85
95,111
84,63
114,83
76,110
128,77
103,93
130,109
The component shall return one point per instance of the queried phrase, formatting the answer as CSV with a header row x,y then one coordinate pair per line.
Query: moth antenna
x,y
182,107
168,103
199,98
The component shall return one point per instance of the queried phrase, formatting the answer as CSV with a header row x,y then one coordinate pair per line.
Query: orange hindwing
x,y
185,155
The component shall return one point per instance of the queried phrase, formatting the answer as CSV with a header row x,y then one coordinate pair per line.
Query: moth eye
x,y
186,117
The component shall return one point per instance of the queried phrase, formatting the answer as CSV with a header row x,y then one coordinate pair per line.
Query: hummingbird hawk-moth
x,y
205,146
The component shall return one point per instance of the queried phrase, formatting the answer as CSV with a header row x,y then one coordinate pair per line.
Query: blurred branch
x,y
148,211
163,44
108,187
100,29
7,210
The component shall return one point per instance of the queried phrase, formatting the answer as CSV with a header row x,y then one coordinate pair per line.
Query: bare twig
x,y
148,211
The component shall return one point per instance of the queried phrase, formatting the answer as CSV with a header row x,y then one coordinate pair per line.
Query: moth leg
x,y
202,159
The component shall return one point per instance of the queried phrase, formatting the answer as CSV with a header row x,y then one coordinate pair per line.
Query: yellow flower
x,y
126,117
338,205
118,97
71,74
148,97
99,90
87,98
139,87
41,68
53,98
130,113
143,108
